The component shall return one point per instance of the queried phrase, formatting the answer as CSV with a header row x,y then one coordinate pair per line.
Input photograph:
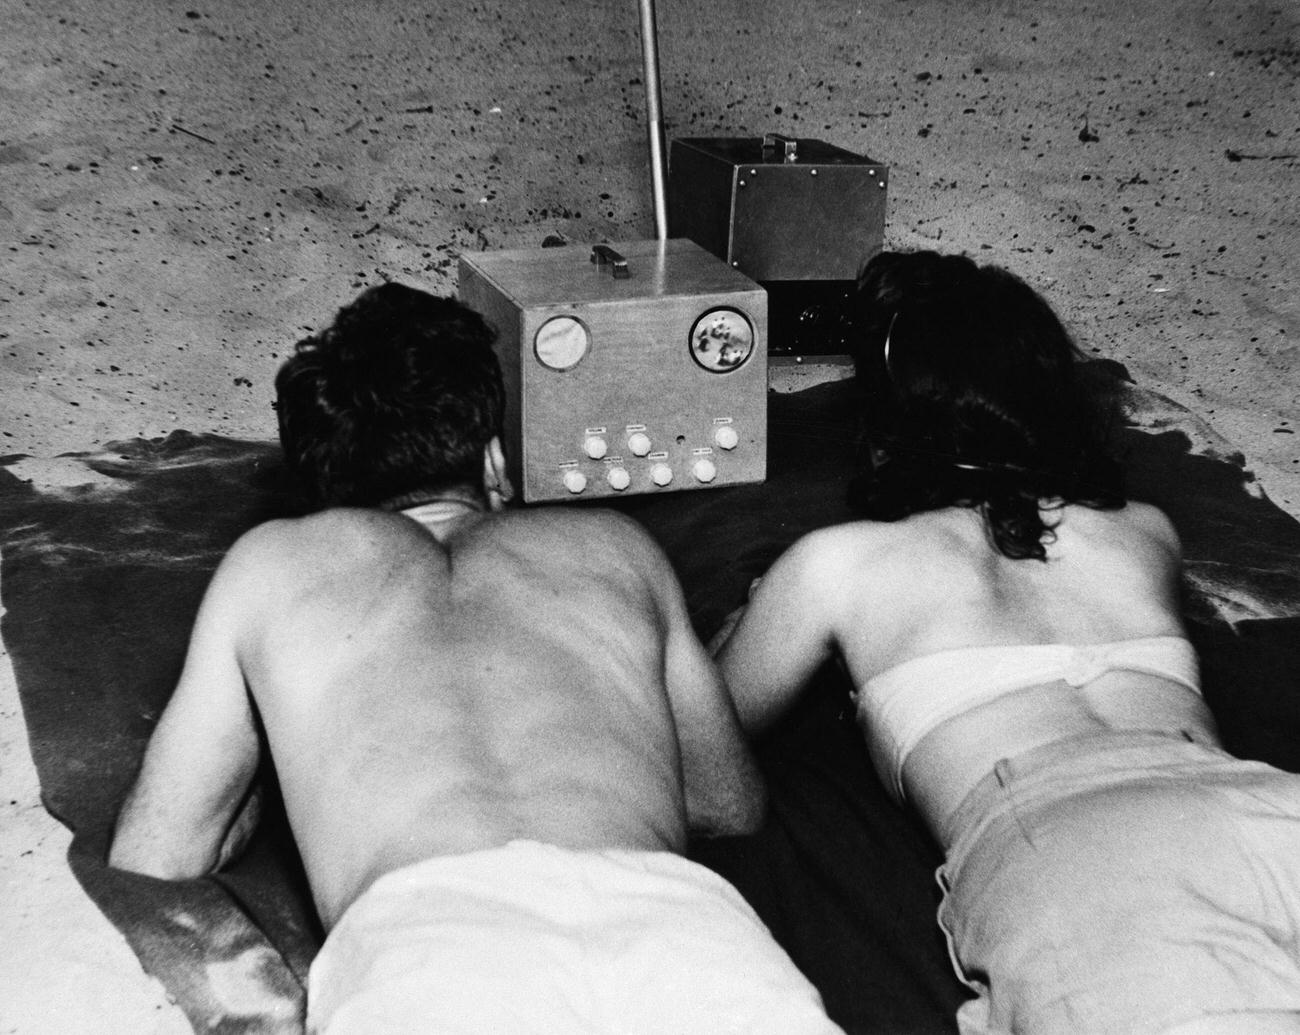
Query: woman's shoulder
x,y
910,546
1135,520
940,524
1151,518
850,540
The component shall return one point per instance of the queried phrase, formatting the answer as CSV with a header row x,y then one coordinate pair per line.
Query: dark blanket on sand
x,y
101,582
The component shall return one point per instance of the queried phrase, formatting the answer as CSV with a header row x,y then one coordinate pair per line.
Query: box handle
x,y
789,146
603,255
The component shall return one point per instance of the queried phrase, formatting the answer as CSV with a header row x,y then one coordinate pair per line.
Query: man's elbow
x,y
172,848
753,813
166,854
149,861
744,813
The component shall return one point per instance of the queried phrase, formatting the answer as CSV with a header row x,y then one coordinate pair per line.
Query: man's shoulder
x,y
586,522
288,540
277,558
584,536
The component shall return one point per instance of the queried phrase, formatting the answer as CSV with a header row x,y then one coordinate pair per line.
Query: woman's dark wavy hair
x,y
400,394
974,396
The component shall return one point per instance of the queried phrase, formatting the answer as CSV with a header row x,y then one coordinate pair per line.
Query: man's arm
x,y
723,788
725,792
192,804
784,634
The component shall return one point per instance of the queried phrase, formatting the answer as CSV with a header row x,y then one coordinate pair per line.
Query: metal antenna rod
x,y
654,113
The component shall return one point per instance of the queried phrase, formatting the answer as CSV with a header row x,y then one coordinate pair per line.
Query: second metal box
x,y
776,208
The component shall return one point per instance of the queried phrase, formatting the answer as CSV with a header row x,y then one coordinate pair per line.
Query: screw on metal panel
x,y
753,172
871,172
742,183
813,171
881,184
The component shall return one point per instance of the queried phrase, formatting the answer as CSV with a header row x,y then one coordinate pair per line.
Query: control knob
x,y
704,470
575,481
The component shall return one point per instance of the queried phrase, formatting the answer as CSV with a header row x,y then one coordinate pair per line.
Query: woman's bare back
x,y
1110,576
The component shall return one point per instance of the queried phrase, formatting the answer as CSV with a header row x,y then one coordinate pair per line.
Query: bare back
x,y
885,594
1109,575
423,698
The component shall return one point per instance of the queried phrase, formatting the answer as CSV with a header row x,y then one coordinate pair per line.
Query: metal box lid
x,y
654,269
774,149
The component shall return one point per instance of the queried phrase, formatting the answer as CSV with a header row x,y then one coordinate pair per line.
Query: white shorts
x,y
1125,883
531,938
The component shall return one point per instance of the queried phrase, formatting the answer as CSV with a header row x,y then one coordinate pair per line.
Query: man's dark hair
x,y
399,395
973,395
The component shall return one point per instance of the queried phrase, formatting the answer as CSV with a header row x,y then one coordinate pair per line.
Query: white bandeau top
x,y
901,705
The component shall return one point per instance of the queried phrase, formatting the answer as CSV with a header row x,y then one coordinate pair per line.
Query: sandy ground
x,y
63,968
187,187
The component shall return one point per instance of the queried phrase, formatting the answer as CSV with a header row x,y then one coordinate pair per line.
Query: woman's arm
x,y
785,634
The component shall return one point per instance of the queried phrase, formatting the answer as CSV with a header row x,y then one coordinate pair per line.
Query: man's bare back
x,y
524,675
504,684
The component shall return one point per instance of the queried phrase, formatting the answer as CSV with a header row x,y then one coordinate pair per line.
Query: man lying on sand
x,y
492,729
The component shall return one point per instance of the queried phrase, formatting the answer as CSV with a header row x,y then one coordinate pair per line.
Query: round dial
x,y
561,342
722,340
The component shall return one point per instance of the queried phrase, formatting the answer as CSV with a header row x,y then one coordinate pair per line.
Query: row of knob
x,y
619,478
639,444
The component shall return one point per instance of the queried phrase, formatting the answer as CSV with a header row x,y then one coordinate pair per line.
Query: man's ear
x,y
496,483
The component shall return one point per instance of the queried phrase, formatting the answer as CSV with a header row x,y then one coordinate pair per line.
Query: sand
x,y
187,188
